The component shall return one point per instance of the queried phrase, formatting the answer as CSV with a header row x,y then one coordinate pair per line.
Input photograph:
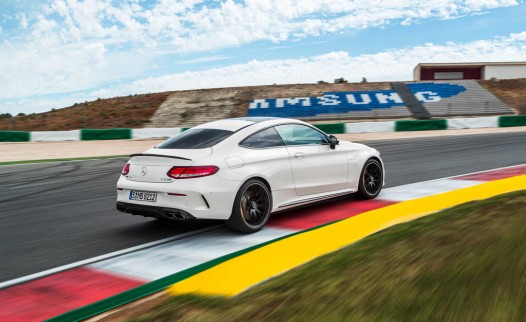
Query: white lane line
x,y
463,174
103,257
424,189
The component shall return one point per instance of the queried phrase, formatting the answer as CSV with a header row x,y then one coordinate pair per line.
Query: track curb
x,y
290,252
198,278
157,285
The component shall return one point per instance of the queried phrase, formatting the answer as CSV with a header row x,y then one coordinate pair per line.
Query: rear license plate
x,y
143,196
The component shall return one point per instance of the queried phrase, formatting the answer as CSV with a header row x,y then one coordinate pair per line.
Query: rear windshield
x,y
195,139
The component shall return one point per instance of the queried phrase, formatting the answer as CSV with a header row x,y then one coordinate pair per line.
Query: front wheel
x,y
371,179
251,208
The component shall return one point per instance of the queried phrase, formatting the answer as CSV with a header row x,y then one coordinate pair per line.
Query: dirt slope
x,y
127,111
510,91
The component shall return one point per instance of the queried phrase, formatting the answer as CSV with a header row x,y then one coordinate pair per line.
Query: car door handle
x,y
299,155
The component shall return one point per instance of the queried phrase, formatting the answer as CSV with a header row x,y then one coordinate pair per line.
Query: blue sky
x,y
58,52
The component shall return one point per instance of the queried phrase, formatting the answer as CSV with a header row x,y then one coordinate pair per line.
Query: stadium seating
x,y
327,101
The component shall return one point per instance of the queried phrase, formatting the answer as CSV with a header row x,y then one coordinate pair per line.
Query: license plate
x,y
143,196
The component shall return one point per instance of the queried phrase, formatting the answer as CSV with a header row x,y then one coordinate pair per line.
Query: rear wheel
x,y
371,179
252,207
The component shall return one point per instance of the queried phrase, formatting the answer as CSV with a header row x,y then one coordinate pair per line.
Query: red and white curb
x,y
74,286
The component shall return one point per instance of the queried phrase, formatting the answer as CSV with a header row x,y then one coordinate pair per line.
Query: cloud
x,y
195,25
78,46
204,59
391,65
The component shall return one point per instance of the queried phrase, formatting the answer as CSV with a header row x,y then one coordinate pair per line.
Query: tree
x,y
364,80
340,80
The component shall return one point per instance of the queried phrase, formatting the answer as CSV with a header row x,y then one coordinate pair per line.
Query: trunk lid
x,y
153,165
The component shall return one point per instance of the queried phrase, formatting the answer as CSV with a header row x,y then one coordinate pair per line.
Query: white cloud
x,y
204,59
23,21
195,25
70,46
391,65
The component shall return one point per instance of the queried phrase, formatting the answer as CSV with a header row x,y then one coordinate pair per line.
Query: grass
x,y
63,159
464,264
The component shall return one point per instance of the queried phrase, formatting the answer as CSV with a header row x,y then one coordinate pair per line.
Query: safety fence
x,y
330,128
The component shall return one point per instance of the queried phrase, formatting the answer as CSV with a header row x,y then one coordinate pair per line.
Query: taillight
x,y
192,172
126,169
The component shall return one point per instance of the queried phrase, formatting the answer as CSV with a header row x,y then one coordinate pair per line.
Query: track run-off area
x,y
56,214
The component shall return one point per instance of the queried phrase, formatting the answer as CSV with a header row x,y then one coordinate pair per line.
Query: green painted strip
x,y
420,125
15,136
334,128
512,120
105,134
159,285
64,159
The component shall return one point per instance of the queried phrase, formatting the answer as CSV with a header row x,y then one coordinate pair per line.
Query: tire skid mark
x,y
54,189
61,174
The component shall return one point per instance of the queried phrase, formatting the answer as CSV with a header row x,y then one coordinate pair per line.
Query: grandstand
x,y
193,107
352,101
312,102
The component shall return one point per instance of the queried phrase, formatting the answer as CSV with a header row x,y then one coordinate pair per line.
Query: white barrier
x,y
369,127
150,133
358,127
73,135
473,123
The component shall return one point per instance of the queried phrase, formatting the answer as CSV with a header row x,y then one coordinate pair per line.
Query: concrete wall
x,y
505,72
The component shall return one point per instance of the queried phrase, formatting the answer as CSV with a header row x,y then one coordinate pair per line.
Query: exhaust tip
x,y
175,215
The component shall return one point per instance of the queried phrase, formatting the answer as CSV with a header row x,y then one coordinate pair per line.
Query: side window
x,y
263,139
297,134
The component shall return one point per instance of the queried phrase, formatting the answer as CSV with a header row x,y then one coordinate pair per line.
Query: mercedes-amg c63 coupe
x,y
241,170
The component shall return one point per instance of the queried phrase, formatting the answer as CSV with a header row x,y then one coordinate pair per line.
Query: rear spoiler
x,y
157,155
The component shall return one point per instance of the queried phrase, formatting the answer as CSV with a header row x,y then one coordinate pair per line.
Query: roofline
x,y
470,64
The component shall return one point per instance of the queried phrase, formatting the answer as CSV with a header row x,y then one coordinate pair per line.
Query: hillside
x,y
127,111
191,107
510,91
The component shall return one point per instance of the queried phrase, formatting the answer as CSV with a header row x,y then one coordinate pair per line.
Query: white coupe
x,y
242,170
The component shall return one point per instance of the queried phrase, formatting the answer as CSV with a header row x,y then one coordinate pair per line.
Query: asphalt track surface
x,y
53,214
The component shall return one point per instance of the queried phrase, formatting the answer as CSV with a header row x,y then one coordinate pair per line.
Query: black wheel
x,y
371,179
251,208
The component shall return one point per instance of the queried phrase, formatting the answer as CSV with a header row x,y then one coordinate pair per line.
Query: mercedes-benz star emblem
x,y
143,171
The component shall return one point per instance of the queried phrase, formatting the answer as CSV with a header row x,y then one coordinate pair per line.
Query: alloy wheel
x,y
255,204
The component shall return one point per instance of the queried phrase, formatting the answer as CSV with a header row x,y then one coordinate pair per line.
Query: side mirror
x,y
333,141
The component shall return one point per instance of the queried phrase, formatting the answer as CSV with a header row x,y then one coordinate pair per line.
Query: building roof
x,y
467,64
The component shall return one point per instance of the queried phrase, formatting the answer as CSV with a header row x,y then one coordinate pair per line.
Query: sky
x,y
55,53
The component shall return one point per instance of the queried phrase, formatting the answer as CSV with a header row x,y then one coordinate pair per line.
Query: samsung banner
x,y
345,102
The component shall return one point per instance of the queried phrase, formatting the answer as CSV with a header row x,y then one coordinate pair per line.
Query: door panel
x,y
318,168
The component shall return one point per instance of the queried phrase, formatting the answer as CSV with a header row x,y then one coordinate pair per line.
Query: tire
x,y
252,207
371,179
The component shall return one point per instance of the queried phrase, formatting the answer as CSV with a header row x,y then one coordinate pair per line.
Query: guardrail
x,y
330,128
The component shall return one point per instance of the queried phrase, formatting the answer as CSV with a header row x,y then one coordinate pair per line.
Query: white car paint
x,y
296,174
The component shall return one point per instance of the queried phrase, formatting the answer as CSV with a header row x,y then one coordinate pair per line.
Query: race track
x,y
54,214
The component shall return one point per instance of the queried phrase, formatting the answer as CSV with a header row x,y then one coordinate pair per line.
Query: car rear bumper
x,y
204,198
